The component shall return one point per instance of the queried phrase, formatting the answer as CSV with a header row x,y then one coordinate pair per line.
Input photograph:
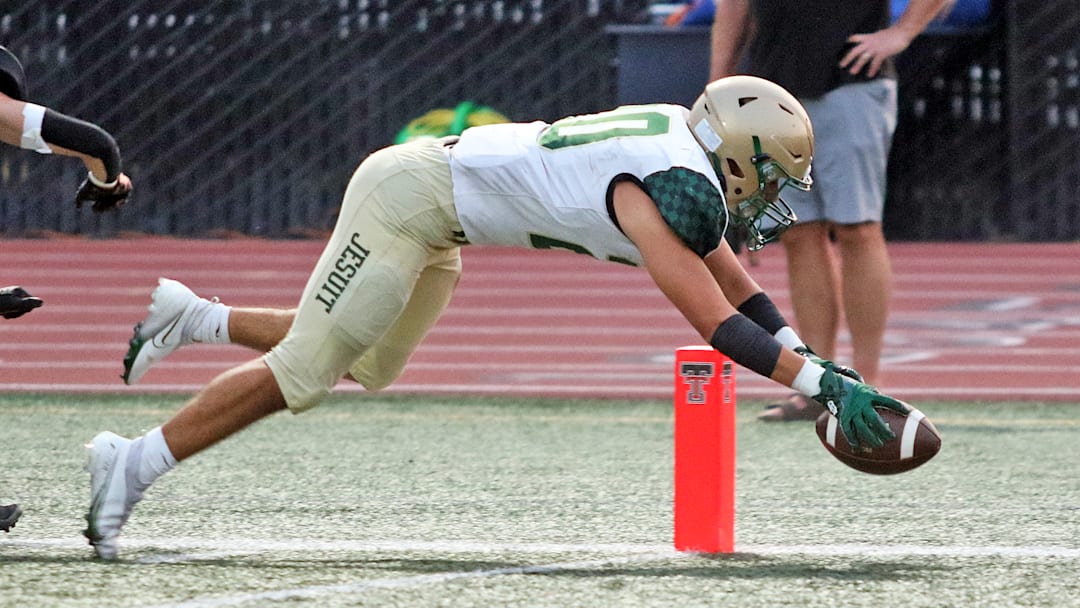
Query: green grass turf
x,y
422,501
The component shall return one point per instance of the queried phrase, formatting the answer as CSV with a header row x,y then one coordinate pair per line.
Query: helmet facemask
x,y
764,214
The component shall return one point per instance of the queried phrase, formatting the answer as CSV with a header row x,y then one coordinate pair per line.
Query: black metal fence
x,y
1044,136
248,116
949,172
987,146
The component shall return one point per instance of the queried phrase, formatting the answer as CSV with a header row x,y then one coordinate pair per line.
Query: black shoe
x,y
9,514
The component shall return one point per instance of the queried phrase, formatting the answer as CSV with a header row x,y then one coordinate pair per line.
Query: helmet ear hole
x,y
734,168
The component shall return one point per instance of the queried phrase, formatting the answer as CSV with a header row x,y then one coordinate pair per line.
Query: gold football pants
x,y
385,276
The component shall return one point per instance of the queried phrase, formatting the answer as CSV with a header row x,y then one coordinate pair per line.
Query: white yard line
x,y
243,546
652,551
602,555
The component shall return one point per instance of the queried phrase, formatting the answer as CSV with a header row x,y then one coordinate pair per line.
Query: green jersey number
x,y
580,130
539,241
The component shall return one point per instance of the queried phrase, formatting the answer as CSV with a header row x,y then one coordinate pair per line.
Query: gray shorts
x,y
853,131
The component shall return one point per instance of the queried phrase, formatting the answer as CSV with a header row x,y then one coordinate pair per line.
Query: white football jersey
x,y
546,186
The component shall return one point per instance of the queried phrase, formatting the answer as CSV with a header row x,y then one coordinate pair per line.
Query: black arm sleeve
x,y
84,137
762,311
748,344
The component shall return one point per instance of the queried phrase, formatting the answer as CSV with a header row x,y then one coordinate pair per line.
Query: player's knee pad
x,y
372,308
301,389
379,367
385,361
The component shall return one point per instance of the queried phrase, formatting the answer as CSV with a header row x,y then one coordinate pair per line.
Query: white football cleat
x,y
113,492
168,326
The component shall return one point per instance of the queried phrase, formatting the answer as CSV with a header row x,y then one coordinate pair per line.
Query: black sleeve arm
x,y
84,137
762,311
748,344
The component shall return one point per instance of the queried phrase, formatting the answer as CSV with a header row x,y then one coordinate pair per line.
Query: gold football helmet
x,y
759,139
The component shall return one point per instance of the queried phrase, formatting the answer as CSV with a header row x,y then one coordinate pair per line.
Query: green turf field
x,y
497,502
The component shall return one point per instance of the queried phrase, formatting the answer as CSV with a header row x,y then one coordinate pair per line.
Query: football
x,y
916,442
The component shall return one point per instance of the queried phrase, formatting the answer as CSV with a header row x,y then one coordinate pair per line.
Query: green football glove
x,y
853,404
840,369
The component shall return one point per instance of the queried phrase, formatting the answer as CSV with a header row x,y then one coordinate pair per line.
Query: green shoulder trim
x,y
691,205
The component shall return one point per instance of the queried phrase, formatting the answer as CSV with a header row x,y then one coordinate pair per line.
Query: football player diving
x,y
651,185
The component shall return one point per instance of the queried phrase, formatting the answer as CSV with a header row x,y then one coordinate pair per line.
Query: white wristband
x,y
31,138
787,336
100,184
808,380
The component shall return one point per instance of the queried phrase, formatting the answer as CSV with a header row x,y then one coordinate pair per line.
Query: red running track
x,y
969,321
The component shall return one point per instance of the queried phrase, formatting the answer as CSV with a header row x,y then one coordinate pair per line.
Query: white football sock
x,y
150,458
210,323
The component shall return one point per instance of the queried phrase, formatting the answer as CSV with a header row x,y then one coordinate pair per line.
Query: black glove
x,y
103,198
16,302
843,370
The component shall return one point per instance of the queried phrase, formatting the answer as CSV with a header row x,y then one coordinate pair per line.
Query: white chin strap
x,y
33,115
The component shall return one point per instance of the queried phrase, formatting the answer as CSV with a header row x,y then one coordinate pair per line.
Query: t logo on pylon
x,y
696,376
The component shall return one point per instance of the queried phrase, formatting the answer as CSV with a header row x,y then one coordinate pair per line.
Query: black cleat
x,y
9,514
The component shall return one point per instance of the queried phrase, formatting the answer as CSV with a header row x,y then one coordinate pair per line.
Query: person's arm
x,y
870,50
46,131
732,31
731,275
689,284
746,295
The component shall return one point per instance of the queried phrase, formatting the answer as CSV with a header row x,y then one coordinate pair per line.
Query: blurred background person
x,y
836,57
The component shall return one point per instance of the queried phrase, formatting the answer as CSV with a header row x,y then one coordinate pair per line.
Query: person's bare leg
x,y
259,328
815,297
231,402
814,286
121,469
867,286
177,317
